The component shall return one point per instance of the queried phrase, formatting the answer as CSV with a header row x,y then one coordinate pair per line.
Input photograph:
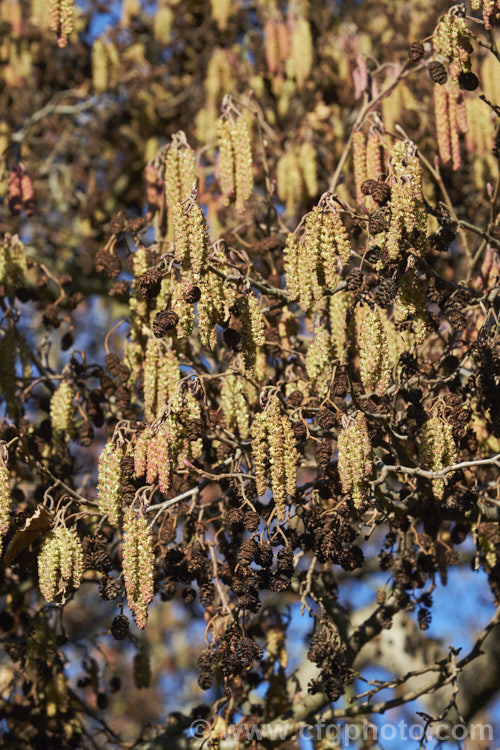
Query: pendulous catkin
x,y
355,458
274,454
235,155
452,40
109,482
62,409
437,450
5,499
60,564
315,262
138,565
61,19
408,218
374,362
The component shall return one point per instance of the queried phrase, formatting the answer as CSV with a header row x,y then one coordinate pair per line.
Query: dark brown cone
x,y
107,262
232,339
377,222
112,362
86,434
381,193
437,72
468,81
192,294
325,419
354,280
149,283
120,628
368,186
165,321
324,453
416,51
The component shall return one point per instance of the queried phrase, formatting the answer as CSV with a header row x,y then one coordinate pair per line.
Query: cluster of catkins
x,y
275,455
61,19
20,192
235,157
437,449
60,564
315,261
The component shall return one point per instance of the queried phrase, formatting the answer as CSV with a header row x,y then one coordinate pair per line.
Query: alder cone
x,y
164,323
437,72
416,51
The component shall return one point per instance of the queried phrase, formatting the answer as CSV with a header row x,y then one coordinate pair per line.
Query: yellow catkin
x,y
318,355
210,309
61,19
302,51
62,410
243,166
60,564
162,22
312,248
309,167
99,66
198,241
226,157
291,265
221,12
259,451
437,450
275,438
355,458
109,497
5,500
410,305
408,218
252,328
138,566
290,182
359,163
374,362
340,303
452,40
